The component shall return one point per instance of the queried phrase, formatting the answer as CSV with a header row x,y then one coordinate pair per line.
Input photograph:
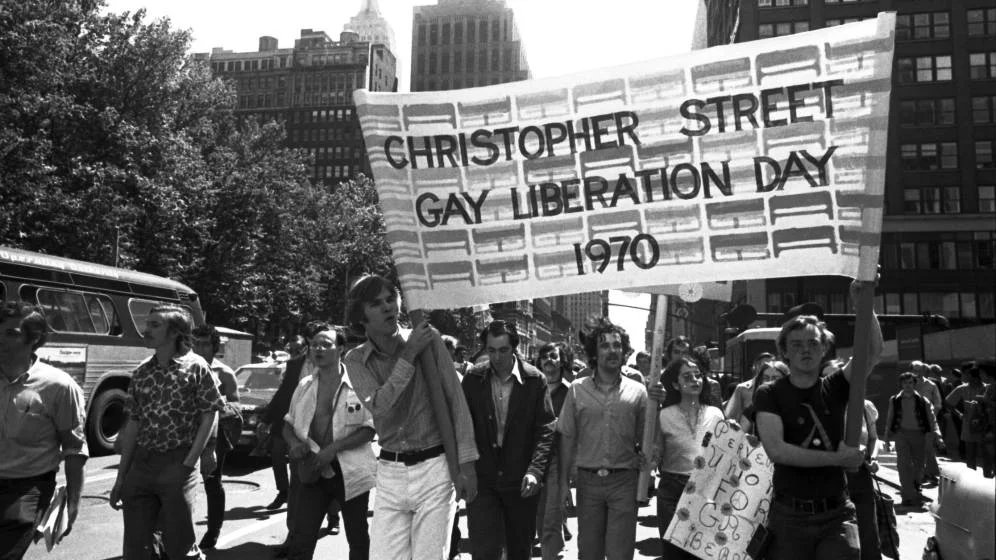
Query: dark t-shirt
x,y
828,398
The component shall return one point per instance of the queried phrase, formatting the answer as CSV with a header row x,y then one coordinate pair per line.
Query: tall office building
x,y
578,308
939,231
465,43
371,25
310,88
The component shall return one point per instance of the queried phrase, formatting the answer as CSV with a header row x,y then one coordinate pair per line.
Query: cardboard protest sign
x,y
727,496
755,160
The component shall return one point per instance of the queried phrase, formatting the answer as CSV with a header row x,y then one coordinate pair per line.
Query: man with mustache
x,y
601,427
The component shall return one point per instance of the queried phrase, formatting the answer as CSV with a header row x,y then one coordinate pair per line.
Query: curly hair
x,y
669,378
595,330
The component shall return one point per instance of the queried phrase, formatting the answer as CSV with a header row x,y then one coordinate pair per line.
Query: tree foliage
x,y
117,147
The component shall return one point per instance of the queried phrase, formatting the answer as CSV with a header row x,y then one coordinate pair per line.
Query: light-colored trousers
x,y
413,511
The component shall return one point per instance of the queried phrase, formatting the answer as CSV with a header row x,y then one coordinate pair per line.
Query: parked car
x,y
257,385
964,515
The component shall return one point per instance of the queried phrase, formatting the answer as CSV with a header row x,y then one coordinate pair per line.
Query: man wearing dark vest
x,y
911,423
513,427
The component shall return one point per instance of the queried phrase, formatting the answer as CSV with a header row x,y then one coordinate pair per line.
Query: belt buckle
x,y
602,473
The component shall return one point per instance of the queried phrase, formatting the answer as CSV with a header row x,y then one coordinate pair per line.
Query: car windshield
x,y
259,378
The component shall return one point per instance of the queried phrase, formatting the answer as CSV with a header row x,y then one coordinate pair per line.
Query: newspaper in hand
x,y
55,520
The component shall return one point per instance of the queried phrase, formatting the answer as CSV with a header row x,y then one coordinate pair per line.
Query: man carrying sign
x,y
416,498
601,427
801,422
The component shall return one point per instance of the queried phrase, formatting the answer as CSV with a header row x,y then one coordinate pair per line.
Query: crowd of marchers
x,y
515,436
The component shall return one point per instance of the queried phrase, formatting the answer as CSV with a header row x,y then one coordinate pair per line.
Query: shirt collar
x,y
35,362
516,372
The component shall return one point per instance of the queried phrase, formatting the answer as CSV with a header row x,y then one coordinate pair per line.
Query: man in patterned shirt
x,y
172,408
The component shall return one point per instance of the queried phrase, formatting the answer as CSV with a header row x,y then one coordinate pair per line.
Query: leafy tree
x,y
117,147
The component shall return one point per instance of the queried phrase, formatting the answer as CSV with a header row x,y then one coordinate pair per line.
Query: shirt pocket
x,y
33,428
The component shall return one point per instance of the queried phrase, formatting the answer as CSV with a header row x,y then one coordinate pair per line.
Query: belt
x,y
145,454
412,457
602,473
812,505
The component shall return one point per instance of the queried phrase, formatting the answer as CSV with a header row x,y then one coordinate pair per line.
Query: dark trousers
x,y
861,488
158,483
669,492
278,458
832,535
216,493
312,505
501,518
294,493
20,501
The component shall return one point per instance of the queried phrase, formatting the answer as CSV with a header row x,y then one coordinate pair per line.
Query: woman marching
x,y
688,414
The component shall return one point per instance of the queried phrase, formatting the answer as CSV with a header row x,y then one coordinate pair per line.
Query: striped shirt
x,y
399,399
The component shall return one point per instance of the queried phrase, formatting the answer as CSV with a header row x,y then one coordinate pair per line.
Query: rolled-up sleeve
x,y
70,422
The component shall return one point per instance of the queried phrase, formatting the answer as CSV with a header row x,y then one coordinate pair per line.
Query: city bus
x,y
96,314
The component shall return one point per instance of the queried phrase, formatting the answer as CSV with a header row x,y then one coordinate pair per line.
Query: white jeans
x,y
413,511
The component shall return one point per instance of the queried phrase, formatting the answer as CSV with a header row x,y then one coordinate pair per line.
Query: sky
x,y
559,36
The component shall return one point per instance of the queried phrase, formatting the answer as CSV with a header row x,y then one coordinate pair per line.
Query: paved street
x,y
250,529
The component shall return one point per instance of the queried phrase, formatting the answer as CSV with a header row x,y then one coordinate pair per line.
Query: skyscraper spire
x,y
371,25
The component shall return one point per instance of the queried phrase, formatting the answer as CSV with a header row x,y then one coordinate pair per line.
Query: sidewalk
x,y
915,524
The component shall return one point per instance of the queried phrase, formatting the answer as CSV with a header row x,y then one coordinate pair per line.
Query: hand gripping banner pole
x,y
440,407
650,417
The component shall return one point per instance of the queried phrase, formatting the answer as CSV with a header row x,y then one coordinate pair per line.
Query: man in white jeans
x,y
416,497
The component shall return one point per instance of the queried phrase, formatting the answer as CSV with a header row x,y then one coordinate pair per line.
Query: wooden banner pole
x,y
440,408
860,363
650,419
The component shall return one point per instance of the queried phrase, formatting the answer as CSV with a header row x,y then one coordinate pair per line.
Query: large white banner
x,y
726,499
755,160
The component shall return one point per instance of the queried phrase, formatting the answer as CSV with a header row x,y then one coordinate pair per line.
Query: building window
x,y
984,245
482,61
844,1
984,109
482,31
470,62
932,200
987,305
433,34
496,30
929,156
446,34
471,27
458,62
458,32
421,64
432,63
768,30
930,25
924,69
781,3
444,63
495,59
987,198
927,112
984,154
982,66
982,22
833,22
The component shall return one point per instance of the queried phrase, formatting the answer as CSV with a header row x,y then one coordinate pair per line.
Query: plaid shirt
x,y
167,401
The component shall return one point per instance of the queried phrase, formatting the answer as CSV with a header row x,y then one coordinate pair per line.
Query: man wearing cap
x,y
513,427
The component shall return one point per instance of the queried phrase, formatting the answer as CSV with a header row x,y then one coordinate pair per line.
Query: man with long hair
x,y
416,494
172,407
601,428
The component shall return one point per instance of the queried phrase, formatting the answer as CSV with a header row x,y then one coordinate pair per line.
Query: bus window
x,y
75,312
141,309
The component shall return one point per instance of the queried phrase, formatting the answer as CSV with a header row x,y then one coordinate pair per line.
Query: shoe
x,y
279,501
332,530
210,539
281,551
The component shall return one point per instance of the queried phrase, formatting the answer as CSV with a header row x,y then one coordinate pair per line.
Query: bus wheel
x,y
107,416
